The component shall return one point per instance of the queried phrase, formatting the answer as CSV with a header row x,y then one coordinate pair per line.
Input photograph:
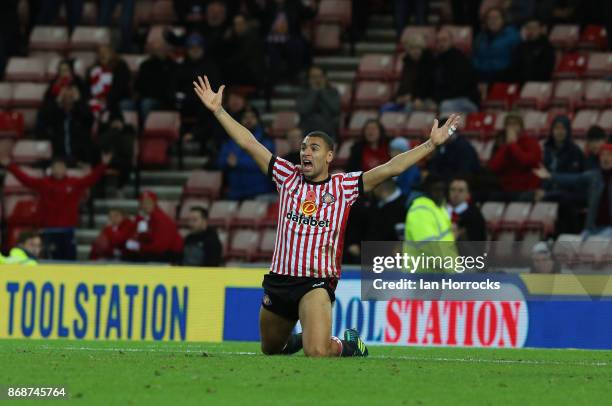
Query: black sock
x,y
293,345
347,349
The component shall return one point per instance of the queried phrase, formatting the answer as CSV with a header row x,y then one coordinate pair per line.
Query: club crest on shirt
x,y
328,198
309,206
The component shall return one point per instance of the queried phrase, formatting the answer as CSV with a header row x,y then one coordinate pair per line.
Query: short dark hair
x,y
329,141
460,179
27,235
595,133
202,210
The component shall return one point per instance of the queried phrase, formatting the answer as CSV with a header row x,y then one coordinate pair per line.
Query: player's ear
x,y
330,156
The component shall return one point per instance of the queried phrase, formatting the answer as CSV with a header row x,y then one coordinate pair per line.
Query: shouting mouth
x,y
307,164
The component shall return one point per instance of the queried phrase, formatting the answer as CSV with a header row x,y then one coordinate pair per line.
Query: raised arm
x,y
398,164
243,137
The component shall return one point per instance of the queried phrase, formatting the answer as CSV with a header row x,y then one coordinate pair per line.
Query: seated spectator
x,y
386,219
242,176
111,241
469,223
561,154
450,63
595,138
414,91
109,81
542,260
534,58
214,27
409,178
245,65
65,77
294,138
371,150
118,137
154,236
67,123
515,156
319,104
494,46
202,245
26,252
59,196
152,92
444,162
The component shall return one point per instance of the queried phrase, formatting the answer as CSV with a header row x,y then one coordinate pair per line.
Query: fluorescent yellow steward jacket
x,y
18,256
429,231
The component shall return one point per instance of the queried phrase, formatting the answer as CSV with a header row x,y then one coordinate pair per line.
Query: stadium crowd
x,y
255,46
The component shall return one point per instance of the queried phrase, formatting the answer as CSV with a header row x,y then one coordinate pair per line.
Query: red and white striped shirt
x,y
312,218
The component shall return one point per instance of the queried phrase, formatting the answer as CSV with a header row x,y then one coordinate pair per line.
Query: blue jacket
x,y
493,53
245,180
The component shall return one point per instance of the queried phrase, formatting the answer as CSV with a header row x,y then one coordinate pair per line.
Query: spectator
x,y
294,138
403,9
444,163
111,241
190,13
386,219
154,236
214,28
449,64
534,58
27,251
67,123
246,63
49,11
202,245
494,46
105,17
118,137
243,179
561,154
595,138
152,92
319,104
59,196
469,223
409,178
372,150
542,260
65,77
515,156
416,78
109,81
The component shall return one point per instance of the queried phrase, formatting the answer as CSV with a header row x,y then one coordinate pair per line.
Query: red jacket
x,y
58,199
111,238
162,235
514,164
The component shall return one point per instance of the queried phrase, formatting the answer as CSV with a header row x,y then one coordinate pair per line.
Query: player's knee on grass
x,y
271,348
319,349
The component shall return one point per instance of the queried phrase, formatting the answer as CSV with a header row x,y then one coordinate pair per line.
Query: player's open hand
x,y
439,135
211,100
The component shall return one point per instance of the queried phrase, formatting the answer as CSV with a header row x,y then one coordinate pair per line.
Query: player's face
x,y
315,157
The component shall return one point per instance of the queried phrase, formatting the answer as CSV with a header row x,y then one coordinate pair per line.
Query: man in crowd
x,y
469,225
386,218
534,58
319,104
595,138
111,241
202,245
27,250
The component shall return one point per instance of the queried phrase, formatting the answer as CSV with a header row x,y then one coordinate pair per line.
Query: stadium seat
x,y
419,123
566,248
266,245
11,124
29,117
21,69
564,35
375,67
593,252
6,94
427,32
598,93
28,94
168,207
493,213
515,215
593,37
283,122
49,38
571,65
271,218
605,120
163,124
153,152
535,94
89,38
543,217
568,93
583,120
222,212
335,11
528,241
484,149
327,37
250,214
372,94
394,122
186,206
243,244
133,61
342,156
203,183
22,211
346,94
357,121
599,65
30,151
536,122
480,124
83,60
462,37
502,95
13,187
281,147
162,12
224,239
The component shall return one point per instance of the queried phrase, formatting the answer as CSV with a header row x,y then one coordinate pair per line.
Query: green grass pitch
x,y
119,373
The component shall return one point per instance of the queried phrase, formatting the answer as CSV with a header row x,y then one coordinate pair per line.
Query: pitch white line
x,y
387,357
